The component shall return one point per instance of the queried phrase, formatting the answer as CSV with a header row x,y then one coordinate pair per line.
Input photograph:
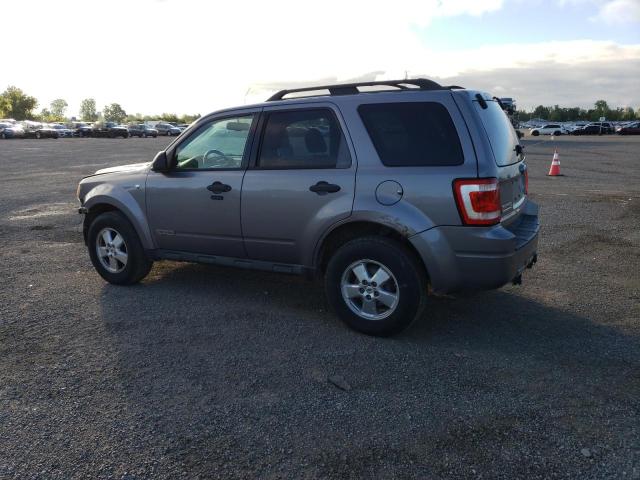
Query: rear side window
x,y
501,134
412,134
299,139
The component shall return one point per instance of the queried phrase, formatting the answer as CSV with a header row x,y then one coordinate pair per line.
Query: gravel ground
x,y
205,372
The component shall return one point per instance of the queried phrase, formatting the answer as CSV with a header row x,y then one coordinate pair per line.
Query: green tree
x,y
16,104
189,118
169,117
5,106
88,110
114,113
602,108
58,107
45,116
541,112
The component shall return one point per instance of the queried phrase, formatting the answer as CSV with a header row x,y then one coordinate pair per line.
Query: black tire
x,y
138,264
535,133
403,265
557,133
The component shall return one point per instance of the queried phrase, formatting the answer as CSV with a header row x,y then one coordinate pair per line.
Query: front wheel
x,y
535,133
116,251
376,285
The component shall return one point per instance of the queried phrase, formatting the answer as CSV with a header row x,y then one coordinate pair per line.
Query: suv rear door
x,y
301,180
507,154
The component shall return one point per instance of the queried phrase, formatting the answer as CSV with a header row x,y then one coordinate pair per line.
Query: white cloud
x,y
610,12
620,11
198,56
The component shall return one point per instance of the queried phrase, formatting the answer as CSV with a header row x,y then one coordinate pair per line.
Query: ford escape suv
x,y
386,190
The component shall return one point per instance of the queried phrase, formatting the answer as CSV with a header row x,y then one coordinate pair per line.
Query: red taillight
x,y
478,200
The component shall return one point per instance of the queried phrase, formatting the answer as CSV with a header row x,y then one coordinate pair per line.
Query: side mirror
x,y
161,162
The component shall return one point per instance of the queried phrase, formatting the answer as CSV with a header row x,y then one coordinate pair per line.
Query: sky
x,y
197,56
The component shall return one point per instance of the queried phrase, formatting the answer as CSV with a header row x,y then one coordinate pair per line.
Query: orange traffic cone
x,y
554,171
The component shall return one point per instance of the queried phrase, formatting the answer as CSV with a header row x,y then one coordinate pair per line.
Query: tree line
x,y
564,114
16,104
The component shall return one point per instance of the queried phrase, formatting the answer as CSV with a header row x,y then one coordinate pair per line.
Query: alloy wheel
x,y
111,250
369,289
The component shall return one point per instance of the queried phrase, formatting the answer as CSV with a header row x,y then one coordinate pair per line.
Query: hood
x,y
133,167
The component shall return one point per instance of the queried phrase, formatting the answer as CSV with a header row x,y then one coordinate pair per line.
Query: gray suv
x,y
385,190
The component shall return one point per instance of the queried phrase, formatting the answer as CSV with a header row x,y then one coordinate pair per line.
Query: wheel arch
x,y
345,232
99,203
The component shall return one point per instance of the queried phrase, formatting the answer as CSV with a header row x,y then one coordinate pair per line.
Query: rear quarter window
x,y
415,134
501,134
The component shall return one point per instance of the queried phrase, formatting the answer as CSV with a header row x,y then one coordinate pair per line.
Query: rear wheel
x,y
115,250
375,285
557,133
535,133
38,135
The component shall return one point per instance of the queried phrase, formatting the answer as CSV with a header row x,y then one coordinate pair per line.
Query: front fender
x,y
126,202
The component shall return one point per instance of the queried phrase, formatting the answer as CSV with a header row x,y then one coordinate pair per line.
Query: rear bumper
x,y
466,258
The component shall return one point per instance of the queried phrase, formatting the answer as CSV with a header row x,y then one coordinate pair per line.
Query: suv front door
x,y
301,181
195,207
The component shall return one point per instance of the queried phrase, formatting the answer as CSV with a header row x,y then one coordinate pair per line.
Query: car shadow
x,y
219,364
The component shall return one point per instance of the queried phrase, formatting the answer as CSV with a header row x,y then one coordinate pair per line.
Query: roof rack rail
x,y
352,88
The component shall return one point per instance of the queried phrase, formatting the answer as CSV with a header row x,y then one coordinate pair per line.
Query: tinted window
x,y
219,144
412,134
299,139
502,136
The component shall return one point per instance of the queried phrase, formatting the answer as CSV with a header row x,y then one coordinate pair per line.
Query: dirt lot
x,y
205,372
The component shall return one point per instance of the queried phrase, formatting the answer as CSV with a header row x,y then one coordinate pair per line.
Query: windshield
x,y
502,136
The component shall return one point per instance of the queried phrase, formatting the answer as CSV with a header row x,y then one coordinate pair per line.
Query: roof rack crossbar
x,y
352,88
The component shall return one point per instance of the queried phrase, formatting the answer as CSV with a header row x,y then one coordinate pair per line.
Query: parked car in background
x,y
606,127
109,129
632,128
183,126
588,130
548,129
142,130
574,126
11,130
63,131
167,129
82,129
39,130
437,208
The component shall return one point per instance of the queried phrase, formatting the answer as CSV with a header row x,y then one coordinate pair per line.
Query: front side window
x,y
416,134
217,145
303,139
